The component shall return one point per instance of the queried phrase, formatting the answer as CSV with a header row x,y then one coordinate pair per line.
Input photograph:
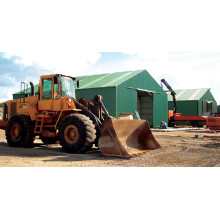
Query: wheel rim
x,y
15,131
71,134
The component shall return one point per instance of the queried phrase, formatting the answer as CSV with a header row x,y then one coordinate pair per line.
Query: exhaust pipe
x,y
32,89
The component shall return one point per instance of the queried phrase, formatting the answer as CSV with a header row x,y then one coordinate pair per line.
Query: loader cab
x,y
52,88
64,87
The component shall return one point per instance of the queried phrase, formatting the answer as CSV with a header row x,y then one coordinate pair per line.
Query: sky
x,y
181,70
171,40
175,40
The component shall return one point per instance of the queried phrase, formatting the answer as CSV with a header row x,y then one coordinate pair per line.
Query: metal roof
x,y
100,80
106,80
188,94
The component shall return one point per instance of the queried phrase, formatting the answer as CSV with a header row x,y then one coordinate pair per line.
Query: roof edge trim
x,y
144,90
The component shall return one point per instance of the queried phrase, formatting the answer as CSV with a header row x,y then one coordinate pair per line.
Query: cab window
x,y
56,91
47,89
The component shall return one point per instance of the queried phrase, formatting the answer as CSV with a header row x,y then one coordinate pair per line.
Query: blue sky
x,y
181,70
65,37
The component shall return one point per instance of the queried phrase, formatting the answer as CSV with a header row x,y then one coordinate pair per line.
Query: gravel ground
x,y
178,149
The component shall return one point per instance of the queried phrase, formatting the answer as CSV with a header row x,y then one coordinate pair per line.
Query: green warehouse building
x,y
125,92
194,102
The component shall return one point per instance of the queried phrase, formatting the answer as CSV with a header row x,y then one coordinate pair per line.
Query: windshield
x,y
66,85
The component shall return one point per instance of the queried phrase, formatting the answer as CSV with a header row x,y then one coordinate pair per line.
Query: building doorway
x,y
209,108
145,106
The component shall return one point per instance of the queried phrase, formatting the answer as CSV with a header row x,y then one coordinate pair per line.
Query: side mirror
x,y
77,82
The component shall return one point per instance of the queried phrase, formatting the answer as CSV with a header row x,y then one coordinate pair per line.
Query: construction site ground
x,y
178,149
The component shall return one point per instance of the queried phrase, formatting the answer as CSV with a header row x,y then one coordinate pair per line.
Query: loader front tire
x,y
19,131
76,133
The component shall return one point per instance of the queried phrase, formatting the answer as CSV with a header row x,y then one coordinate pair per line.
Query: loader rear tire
x,y
49,140
19,131
76,133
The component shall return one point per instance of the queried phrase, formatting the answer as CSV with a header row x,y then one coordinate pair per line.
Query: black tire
x,y
49,140
25,136
84,133
98,134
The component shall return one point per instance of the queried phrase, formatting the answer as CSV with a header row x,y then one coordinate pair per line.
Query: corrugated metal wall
x,y
187,108
127,98
108,94
207,97
120,99
193,107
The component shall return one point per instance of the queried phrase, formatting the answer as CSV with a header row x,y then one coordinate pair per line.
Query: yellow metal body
x,y
47,112
32,106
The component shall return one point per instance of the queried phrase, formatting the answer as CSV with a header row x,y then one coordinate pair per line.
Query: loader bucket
x,y
126,138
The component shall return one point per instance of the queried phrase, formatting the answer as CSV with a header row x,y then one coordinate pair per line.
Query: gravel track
x,y
178,149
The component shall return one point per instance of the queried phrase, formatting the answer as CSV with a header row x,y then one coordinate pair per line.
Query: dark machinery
x,y
171,117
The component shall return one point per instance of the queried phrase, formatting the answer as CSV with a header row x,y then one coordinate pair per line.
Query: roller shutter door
x,y
145,107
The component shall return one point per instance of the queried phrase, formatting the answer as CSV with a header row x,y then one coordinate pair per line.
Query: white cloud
x,y
64,37
12,87
6,94
64,61
182,71
56,36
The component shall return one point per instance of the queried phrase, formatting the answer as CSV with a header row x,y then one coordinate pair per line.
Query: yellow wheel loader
x,y
55,115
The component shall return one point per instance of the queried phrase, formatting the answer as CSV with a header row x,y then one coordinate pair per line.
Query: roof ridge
x,y
114,79
105,79
188,89
188,94
111,73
